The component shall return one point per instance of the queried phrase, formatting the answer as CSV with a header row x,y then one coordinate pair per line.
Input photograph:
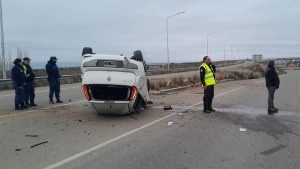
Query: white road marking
x,y
41,91
45,108
67,160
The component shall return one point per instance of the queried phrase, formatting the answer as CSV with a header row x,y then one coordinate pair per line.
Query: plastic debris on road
x,y
170,123
168,107
150,102
39,144
84,120
243,129
179,114
32,135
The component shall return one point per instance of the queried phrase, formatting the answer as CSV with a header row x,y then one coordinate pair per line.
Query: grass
x,y
253,71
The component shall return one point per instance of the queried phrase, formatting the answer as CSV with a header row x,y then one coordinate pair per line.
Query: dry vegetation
x,y
254,71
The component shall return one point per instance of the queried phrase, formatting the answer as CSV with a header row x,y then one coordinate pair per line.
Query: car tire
x,y
87,50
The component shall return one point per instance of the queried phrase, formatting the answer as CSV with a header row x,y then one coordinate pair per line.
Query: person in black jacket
x,y
29,86
53,79
272,83
18,81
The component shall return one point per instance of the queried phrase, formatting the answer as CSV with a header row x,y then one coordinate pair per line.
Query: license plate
x,y
110,64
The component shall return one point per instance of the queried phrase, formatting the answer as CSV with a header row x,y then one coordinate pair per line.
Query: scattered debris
x,y
273,150
39,144
84,120
243,129
70,100
17,149
179,114
133,117
150,102
168,107
32,135
170,123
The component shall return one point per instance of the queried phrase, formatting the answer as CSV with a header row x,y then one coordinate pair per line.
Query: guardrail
x,y
42,81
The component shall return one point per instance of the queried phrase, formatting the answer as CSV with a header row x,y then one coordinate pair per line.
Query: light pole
x,y
207,41
2,43
167,23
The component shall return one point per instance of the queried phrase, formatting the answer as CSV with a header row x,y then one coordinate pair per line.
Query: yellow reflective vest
x,y
25,69
209,75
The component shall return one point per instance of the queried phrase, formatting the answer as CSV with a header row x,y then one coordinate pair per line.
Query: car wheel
x,y
87,50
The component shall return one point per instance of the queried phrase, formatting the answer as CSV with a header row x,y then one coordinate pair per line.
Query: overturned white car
x,y
114,84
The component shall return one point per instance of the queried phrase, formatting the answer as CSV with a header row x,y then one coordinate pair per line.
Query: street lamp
x,y
167,23
2,43
207,41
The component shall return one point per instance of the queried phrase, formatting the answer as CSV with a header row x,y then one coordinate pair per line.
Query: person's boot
x,y
17,107
33,104
59,101
207,111
276,109
211,109
51,101
23,106
27,104
271,111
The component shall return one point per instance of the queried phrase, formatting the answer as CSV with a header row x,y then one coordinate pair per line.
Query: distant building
x,y
281,63
257,58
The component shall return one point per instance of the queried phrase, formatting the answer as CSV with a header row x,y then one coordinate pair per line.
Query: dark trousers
x,y
19,96
54,85
271,91
208,97
29,89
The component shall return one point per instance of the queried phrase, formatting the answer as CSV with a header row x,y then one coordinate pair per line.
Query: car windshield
x,y
128,84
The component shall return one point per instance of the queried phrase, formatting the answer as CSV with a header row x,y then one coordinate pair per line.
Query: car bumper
x,y
112,107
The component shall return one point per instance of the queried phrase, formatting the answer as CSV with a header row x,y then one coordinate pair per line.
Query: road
x,y
78,138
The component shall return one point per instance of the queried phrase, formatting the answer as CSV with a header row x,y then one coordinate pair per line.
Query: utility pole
x,y
207,41
2,43
167,24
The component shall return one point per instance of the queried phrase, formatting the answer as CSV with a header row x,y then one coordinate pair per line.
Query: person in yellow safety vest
x,y
208,80
29,87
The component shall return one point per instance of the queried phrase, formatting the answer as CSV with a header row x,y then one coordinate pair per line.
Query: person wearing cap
x,y
29,88
272,84
53,79
18,82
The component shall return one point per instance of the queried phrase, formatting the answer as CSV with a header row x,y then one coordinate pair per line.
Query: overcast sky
x,y
63,27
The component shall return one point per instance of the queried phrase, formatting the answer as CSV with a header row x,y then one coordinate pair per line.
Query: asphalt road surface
x,y
239,135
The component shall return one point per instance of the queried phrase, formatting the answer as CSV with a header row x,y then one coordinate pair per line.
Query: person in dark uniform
x,y
207,77
29,89
272,84
53,79
18,82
